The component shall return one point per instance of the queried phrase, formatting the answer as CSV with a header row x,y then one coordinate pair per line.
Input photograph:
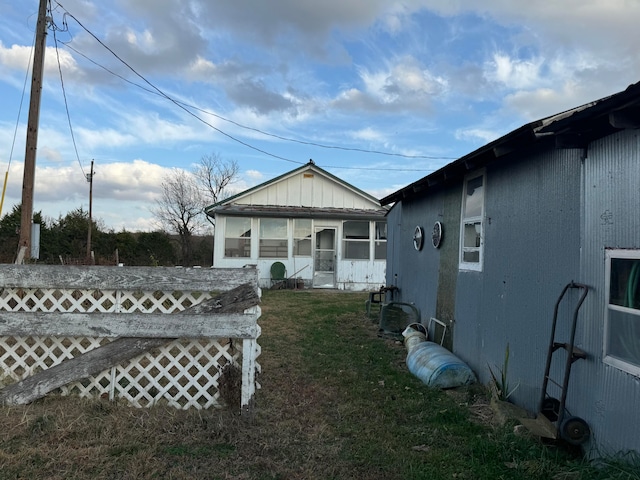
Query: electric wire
x,y
24,90
257,130
164,95
15,132
185,106
55,28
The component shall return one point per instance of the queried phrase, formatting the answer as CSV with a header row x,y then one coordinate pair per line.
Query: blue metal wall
x,y
607,397
549,216
414,272
531,251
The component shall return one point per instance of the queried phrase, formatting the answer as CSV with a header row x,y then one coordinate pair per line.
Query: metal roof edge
x,y
538,128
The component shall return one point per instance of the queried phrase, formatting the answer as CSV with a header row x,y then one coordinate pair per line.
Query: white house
x,y
327,233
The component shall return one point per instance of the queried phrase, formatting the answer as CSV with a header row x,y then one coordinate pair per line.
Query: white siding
x,y
308,189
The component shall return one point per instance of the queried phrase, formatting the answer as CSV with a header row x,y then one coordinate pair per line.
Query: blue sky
x,y
424,81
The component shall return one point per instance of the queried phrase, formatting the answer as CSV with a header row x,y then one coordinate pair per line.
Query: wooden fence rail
x,y
145,334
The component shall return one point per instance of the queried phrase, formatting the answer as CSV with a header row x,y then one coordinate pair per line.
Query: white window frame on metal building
x,y
474,220
622,311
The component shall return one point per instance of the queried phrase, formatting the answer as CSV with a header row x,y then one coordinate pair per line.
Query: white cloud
x,y
405,85
475,134
515,73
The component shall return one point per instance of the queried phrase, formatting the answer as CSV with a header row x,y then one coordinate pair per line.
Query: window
x,y
622,330
273,238
471,235
302,237
380,247
237,237
355,243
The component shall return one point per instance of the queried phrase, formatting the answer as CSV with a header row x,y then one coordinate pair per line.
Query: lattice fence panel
x,y
75,300
184,373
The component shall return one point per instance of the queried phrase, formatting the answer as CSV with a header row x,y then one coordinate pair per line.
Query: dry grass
x,y
336,403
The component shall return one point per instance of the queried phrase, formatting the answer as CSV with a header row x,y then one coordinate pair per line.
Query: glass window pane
x,y
624,287
273,248
302,227
302,247
472,256
380,250
238,227
273,228
237,247
356,250
356,230
473,200
472,235
624,336
381,230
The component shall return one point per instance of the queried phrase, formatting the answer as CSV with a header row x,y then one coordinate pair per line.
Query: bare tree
x,y
179,209
214,175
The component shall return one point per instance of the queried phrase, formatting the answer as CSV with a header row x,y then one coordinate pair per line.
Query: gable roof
x,y
235,204
574,128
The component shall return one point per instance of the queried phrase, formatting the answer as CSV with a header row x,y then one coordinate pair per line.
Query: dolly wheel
x,y
574,430
550,408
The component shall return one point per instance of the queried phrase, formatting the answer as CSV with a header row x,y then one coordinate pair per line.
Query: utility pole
x,y
90,180
28,180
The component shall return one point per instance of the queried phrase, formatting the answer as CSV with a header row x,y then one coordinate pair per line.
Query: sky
x,y
379,93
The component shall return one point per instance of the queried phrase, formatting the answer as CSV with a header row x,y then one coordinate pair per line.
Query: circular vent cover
x,y
418,238
436,236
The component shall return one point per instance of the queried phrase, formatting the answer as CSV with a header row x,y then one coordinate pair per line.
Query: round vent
x,y
436,236
418,238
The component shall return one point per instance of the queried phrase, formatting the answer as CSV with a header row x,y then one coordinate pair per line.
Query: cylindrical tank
x,y
433,364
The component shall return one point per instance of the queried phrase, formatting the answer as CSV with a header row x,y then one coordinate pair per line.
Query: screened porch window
x,y
471,235
302,237
237,237
273,238
622,327
355,236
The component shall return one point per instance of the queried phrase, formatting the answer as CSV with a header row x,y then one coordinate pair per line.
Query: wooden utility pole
x,y
28,180
90,180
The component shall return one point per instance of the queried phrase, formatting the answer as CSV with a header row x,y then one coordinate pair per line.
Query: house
x,y
487,244
326,233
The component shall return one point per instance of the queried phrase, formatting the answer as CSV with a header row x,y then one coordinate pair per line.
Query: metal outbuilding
x,y
487,243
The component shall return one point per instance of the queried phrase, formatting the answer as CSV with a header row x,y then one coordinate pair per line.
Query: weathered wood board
x,y
221,310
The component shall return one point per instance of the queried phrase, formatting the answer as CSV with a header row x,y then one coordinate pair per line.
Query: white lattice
x,y
74,300
183,373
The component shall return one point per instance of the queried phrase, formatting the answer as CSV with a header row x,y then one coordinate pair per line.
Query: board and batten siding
x,y
308,189
605,396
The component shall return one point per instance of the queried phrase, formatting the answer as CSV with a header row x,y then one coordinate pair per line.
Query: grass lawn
x,y
337,402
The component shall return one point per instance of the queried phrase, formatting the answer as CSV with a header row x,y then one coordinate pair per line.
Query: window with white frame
x,y
622,316
471,234
380,246
355,240
302,237
274,239
237,237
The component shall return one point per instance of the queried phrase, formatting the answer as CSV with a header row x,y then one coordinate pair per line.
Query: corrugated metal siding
x,y
607,398
416,272
549,217
532,233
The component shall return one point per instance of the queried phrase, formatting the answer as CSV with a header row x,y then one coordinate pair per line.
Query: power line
x,y
185,106
176,102
54,28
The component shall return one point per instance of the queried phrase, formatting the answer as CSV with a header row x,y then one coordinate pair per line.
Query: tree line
x,y
179,212
65,241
